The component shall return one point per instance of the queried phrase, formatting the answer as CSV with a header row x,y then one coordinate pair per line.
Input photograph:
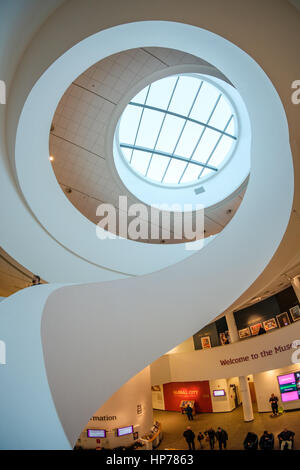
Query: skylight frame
x,y
205,165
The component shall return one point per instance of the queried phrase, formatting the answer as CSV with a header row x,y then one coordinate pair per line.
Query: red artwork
x,y
199,392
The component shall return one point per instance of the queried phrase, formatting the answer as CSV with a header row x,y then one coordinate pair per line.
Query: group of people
x,y
266,441
210,435
251,442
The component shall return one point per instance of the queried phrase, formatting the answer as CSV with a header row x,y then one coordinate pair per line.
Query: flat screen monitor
x,y
96,433
219,393
125,431
289,386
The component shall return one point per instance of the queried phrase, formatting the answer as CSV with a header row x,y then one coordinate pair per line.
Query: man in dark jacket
x,y
266,441
274,404
189,436
286,438
189,412
222,438
211,437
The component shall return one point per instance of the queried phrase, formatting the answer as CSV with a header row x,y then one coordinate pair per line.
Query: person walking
x,y
274,404
200,438
222,438
189,412
211,435
189,436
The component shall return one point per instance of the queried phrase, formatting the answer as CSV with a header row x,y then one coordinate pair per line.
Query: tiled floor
x,y
174,424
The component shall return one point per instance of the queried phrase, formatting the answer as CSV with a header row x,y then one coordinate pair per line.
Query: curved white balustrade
x,y
249,356
96,336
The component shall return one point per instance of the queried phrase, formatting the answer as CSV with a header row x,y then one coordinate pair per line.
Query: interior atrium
x,y
150,226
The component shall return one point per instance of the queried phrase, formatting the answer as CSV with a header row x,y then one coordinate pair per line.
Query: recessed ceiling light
x,y
51,158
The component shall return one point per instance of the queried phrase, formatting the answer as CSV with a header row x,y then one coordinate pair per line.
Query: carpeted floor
x,y
174,423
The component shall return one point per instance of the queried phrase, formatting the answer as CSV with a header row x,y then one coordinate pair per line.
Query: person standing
x,y
200,438
189,436
36,280
210,433
189,412
222,438
274,404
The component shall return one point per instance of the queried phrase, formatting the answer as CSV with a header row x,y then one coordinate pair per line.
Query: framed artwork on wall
x,y
225,338
270,324
295,312
283,319
205,342
255,328
244,333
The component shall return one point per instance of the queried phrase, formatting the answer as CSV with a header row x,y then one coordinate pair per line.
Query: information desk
x,y
153,438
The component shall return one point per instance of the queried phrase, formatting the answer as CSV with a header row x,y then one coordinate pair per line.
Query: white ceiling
x,y
80,125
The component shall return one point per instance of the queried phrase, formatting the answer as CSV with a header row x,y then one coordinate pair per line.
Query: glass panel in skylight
x,y
221,115
160,92
127,153
231,127
157,167
170,133
205,102
207,172
184,95
206,145
221,151
188,139
174,172
191,173
140,161
141,96
149,128
129,123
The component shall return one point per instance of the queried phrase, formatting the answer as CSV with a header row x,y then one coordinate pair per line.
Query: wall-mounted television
x,y
96,433
219,393
125,431
289,386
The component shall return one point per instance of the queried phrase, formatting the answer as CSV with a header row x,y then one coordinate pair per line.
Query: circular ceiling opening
x,y
178,130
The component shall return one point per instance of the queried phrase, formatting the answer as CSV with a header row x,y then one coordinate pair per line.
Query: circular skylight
x,y
178,130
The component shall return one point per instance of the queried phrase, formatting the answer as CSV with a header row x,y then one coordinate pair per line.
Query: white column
x,y
296,286
246,399
232,329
